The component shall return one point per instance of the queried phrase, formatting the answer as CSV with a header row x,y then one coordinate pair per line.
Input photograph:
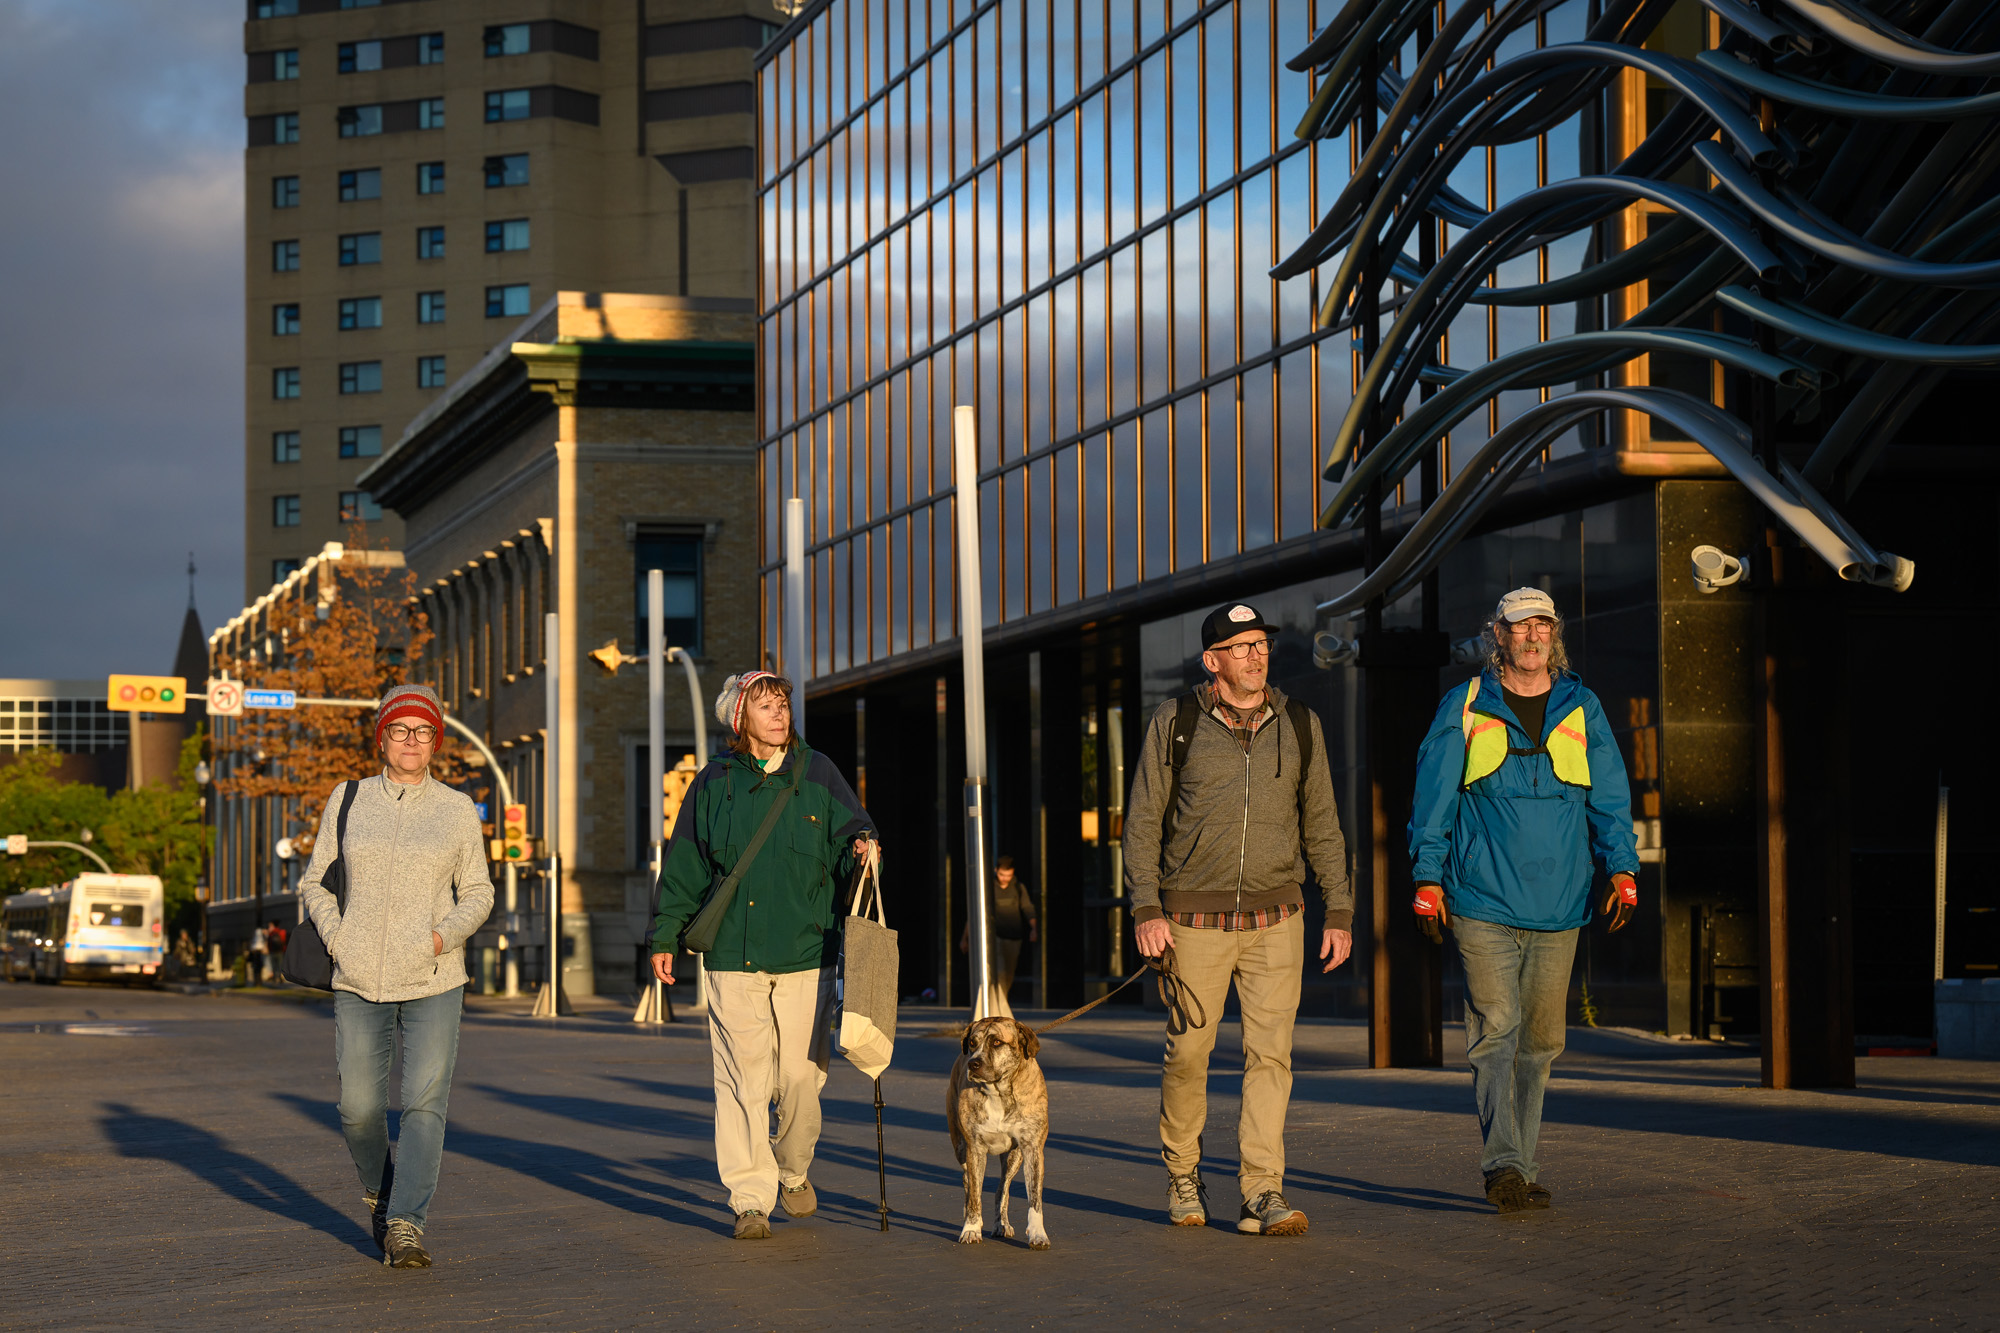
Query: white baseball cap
x,y
1522,603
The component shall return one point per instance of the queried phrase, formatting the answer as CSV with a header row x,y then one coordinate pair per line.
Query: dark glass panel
x,y
1066,358
769,470
880,442
1297,461
965,104
1156,517
1260,469
919,89
1190,484
841,469
940,19
1125,318
1184,10
920,578
1041,559
951,380
1062,194
787,363
879,152
881,571
920,430
1093,327
899,585
990,243
879,287
820,221
918,234
769,275
878,47
897,147
944,573
899,439
1127,518
841,609
812,441
1185,131
771,373
1225,468
1336,391
1011,75
1035,74
1010,235
782,88
990,565
1096,524
1014,430
896,282
830,66
839,347
897,56
1254,66
767,97
943,239
987,70
1121,32
987,392
1063,21
1294,30
941,130
1221,266
1155,129
1014,503
1255,290
1035,225
1295,221
848,186
1184,302
1036,346
1064,482
1156,315
1223,109
1122,179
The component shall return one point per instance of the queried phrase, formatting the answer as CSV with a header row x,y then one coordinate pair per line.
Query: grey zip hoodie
x,y
1237,843
416,863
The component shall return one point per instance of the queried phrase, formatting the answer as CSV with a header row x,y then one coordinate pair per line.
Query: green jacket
x,y
786,917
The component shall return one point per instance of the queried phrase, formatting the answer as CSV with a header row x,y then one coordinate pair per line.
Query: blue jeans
x,y
364,1042
1516,994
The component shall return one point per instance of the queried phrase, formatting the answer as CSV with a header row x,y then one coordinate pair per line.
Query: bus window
x,y
117,914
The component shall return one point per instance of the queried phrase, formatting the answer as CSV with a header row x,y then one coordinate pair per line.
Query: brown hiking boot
x,y
1508,1191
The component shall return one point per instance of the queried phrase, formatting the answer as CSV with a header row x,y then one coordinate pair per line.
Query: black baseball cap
x,y
1226,622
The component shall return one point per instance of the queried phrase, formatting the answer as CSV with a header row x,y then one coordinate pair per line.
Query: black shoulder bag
x,y
699,937
307,963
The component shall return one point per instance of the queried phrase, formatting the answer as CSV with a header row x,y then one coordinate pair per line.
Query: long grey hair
x,y
1558,654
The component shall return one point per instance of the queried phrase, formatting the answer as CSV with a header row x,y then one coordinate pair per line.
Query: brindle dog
x,y
999,1102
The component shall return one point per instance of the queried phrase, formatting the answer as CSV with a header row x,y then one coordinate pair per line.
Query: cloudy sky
x,y
121,349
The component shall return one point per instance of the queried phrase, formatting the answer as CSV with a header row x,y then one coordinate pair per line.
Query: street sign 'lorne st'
x,y
270,699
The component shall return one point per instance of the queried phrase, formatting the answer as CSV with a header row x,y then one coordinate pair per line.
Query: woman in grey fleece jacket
x,y
417,887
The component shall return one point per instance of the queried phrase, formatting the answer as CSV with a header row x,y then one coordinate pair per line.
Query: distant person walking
x,y
253,957
1014,922
1231,801
417,888
770,967
1519,786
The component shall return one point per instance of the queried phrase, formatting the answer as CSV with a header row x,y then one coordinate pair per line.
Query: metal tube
x,y
972,653
549,1004
795,661
656,739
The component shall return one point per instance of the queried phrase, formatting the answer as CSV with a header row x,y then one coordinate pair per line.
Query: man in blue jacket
x,y
1519,785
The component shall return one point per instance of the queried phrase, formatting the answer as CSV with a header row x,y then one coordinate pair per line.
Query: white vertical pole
x,y
700,707
795,661
986,1001
656,740
549,1004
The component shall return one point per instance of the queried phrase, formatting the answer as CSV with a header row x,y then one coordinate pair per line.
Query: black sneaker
x,y
1537,1196
378,1218
1508,1191
405,1248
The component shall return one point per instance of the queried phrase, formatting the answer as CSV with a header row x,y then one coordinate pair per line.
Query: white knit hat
x,y
729,703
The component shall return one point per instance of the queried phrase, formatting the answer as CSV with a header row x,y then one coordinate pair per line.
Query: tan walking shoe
x,y
753,1225
800,1200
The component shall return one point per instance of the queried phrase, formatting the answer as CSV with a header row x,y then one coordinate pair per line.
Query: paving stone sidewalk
x,y
174,1161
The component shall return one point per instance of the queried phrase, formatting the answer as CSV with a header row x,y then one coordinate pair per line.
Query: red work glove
x,y
1429,908
1621,901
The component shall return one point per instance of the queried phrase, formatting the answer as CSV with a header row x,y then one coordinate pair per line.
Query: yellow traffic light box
x,y
514,834
147,694
674,786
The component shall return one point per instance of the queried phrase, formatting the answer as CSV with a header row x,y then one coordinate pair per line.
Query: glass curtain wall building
x,y
1064,215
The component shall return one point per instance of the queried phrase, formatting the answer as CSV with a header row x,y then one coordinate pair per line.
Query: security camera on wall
x,y
1714,570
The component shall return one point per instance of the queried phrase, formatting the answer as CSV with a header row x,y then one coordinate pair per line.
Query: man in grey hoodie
x,y
1231,800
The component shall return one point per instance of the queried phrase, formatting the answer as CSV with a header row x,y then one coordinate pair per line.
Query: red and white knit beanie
x,y
735,691
409,703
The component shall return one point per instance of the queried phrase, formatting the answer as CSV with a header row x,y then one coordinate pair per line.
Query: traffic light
x,y
514,830
674,786
147,694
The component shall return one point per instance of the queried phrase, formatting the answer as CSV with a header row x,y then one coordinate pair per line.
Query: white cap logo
x,y
1239,614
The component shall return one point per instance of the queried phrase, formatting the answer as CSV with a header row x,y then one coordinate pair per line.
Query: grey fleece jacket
x,y
416,863
1237,844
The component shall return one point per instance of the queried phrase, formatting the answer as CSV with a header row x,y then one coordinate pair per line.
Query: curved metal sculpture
x,y
1855,242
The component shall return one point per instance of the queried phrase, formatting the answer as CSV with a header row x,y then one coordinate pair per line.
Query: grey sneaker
x,y
1269,1215
1187,1200
1508,1192
800,1200
405,1247
753,1225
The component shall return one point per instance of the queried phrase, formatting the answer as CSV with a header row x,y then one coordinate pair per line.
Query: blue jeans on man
x,y
364,1039
1516,1000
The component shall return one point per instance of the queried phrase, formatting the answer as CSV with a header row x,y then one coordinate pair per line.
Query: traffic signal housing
x,y
514,843
674,786
146,694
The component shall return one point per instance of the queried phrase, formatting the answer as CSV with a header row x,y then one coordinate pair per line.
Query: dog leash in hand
x,y
1174,993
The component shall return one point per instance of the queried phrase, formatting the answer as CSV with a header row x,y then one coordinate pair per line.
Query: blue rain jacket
x,y
1515,847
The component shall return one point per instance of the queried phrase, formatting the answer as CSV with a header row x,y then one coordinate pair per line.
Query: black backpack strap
x,y
340,841
1302,724
1187,711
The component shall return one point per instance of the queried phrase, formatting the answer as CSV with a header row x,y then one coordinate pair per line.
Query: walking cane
x,y
881,1163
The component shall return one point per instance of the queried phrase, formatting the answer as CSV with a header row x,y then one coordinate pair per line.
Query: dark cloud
x,y
121,343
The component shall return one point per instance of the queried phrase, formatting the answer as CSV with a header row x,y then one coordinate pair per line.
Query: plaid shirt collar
x,y
1245,732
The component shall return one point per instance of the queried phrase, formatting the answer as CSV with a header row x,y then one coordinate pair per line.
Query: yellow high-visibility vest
x,y
1486,744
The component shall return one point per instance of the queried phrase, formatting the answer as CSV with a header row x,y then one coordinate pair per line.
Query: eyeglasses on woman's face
x,y
403,731
1241,651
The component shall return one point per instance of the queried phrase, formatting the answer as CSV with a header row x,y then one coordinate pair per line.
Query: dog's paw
x,y
970,1235
1004,1231
1038,1236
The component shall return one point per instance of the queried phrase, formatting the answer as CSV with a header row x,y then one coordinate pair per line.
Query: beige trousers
x,y
1268,967
765,1032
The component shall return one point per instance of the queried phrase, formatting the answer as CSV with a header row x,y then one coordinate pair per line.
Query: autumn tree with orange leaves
x,y
352,633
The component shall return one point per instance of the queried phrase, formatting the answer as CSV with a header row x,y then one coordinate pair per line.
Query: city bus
x,y
95,927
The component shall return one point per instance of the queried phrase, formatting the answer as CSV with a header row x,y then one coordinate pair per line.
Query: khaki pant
x,y
766,1033
1268,967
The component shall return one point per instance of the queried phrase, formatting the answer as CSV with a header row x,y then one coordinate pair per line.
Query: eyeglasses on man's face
x,y
403,731
1242,651
1540,626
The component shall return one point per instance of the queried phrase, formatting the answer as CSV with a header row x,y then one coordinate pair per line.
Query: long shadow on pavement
x,y
242,1177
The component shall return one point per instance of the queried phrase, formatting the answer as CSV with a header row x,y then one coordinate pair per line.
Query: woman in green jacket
x,y
770,969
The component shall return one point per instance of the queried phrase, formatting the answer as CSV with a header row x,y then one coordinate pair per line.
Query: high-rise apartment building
x,y
422,175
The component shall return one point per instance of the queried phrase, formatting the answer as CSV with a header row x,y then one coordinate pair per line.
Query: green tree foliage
x,y
154,831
